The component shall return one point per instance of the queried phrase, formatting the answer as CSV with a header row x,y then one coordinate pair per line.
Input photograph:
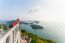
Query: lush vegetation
x,y
3,26
35,38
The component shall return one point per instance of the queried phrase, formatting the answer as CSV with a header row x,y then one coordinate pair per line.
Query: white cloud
x,y
45,14
53,11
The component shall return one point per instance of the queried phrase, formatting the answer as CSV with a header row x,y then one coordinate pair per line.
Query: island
x,y
34,26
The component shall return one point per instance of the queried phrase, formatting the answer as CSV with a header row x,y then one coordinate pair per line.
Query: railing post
x,y
11,37
1,41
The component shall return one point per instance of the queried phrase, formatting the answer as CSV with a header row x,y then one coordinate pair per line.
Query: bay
x,y
52,31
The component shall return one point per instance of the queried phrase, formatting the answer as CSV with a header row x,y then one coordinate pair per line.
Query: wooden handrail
x,y
8,33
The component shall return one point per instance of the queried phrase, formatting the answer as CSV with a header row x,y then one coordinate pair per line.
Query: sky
x,y
11,9
32,9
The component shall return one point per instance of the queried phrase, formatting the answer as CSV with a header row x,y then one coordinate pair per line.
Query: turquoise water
x,y
51,31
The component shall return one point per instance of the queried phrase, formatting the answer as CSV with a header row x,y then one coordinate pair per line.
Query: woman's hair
x,y
17,20
10,26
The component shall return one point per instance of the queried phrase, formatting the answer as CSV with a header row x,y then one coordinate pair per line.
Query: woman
x,y
14,23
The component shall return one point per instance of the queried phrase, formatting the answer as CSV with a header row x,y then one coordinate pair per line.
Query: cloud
x,y
45,14
34,10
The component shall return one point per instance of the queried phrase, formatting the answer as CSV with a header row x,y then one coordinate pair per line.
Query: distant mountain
x,y
9,22
33,24
30,22
2,21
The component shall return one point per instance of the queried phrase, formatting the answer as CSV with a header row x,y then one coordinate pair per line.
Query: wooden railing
x,y
11,36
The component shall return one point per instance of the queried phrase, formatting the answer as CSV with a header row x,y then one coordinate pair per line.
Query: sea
x,y
54,31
